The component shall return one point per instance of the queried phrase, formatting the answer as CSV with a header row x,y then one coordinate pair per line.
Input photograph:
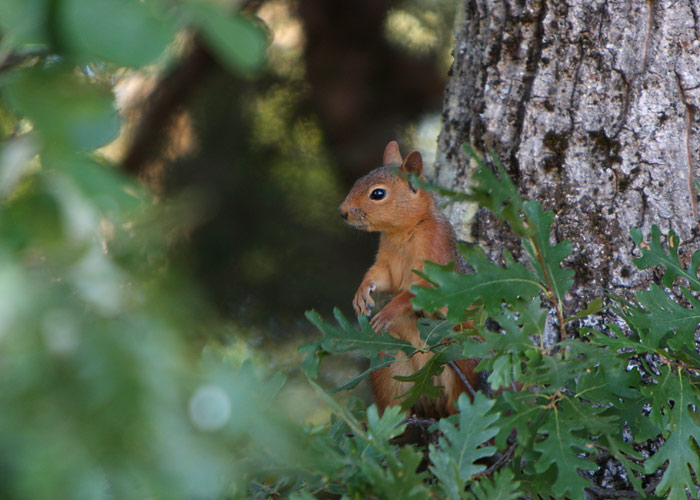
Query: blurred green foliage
x,y
104,391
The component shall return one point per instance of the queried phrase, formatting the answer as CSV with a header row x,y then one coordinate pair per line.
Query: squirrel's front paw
x,y
382,320
363,302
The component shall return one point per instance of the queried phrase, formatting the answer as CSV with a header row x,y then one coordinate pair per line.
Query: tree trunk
x,y
594,109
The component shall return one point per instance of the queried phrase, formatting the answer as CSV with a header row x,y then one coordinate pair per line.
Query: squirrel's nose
x,y
343,213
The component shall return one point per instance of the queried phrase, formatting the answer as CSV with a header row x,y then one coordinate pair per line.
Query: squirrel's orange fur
x,y
413,230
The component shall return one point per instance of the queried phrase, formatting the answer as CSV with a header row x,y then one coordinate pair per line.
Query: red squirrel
x,y
413,230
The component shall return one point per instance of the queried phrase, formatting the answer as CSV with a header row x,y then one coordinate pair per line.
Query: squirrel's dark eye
x,y
377,194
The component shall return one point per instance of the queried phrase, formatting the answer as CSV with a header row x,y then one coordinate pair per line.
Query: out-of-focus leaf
x,y
105,186
68,112
386,427
31,221
23,21
233,38
123,32
15,156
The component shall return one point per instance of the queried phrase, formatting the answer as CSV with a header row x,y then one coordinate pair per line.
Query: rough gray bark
x,y
594,109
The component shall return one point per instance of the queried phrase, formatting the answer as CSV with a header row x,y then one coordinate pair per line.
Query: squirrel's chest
x,y
401,260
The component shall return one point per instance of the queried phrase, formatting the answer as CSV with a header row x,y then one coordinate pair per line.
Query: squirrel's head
x,y
384,199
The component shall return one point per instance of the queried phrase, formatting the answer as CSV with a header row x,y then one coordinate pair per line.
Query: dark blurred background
x,y
266,161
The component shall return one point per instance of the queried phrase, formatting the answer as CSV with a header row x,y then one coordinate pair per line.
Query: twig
x,y
170,93
505,457
557,305
463,378
16,58
610,493
444,342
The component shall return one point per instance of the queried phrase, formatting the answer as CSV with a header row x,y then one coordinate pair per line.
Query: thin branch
x,y
171,92
463,378
601,492
507,456
14,59
557,304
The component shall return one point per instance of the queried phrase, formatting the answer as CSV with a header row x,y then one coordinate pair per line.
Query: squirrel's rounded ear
x,y
413,164
392,155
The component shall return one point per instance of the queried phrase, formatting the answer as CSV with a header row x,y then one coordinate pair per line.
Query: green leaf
x,y
459,448
312,358
497,193
380,349
400,478
31,221
681,447
501,487
342,412
388,426
490,284
547,259
601,374
366,462
23,21
503,353
423,381
591,309
104,185
123,32
302,495
653,254
620,341
231,36
67,111
603,380
621,451
375,363
433,331
559,449
660,315
345,338
531,316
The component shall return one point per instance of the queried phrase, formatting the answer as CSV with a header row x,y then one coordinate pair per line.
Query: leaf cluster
x,y
102,396
571,404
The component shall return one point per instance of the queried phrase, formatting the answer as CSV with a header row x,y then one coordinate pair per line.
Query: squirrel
x,y
413,230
